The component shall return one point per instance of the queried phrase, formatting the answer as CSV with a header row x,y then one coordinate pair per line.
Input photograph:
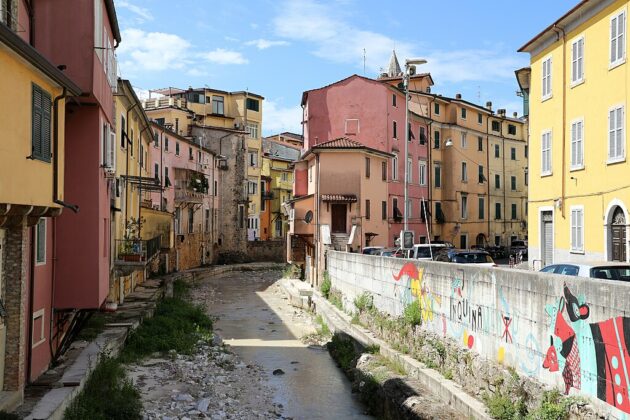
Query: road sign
x,y
407,239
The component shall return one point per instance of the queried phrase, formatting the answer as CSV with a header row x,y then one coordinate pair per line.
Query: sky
x,y
280,48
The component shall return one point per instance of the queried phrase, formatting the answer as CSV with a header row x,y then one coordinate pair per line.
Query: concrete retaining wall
x,y
574,338
272,251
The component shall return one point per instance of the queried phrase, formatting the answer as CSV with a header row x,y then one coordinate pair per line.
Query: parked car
x,y
596,270
496,251
388,252
517,247
426,252
461,256
372,250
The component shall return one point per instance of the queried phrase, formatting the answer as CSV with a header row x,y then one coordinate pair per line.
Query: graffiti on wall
x,y
411,285
592,357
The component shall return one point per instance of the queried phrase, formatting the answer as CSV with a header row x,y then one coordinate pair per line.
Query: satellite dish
x,y
308,218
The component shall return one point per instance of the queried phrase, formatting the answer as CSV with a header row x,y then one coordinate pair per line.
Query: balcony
x,y
164,102
134,254
190,186
267,195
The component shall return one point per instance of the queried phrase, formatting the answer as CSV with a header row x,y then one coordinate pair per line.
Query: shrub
x,y
364,302
412,314
326,285
500,406
292,271
552,407
342,350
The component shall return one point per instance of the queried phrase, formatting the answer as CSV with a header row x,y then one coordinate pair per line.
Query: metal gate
x,y
547,238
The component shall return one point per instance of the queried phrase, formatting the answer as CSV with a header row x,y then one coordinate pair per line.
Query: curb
x,y
447,390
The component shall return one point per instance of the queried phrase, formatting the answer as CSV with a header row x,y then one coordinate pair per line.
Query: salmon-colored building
x,y
373,113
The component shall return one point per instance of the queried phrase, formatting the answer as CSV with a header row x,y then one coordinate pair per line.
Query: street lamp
x,y
410,70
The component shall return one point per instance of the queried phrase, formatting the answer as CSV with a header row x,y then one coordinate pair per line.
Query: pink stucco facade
x,y
373,113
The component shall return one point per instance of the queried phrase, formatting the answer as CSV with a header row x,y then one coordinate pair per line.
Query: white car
x,y
372,250
598,270
426,252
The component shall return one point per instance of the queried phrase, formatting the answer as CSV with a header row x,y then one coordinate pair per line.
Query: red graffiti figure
x,y
408,269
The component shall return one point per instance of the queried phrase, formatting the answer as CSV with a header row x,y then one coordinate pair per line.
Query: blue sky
x,y
279,48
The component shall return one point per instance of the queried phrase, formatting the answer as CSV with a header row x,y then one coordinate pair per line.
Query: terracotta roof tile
x,y
344,198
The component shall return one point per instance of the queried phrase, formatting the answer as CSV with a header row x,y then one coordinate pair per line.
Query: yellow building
x,y
216,108
139,231
579,192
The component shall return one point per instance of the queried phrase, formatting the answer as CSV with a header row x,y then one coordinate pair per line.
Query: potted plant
x,y
131,246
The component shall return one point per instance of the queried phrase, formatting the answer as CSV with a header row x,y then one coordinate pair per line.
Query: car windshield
x,y
611,273
472,258
371,251
425,251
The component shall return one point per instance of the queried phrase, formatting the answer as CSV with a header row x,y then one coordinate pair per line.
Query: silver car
x,y
596,270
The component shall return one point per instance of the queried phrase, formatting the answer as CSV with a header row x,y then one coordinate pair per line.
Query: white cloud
x,y
223,56
143,94
152,51
279,119
263,44
472,65
141,12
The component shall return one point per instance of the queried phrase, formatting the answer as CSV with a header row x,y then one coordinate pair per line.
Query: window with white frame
x,y
108,140
252,187
577,61
395,168
546,78
464,206
252,128
616,140
464,172
40,242
422,172
577,229
618,38
253,158
577,144
409,169
464,140
546,153
409,208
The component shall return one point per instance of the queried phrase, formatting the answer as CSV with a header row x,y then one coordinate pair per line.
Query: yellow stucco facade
x,y
579,192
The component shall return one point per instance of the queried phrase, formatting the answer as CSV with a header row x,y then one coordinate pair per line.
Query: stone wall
x,y
271,251
567,332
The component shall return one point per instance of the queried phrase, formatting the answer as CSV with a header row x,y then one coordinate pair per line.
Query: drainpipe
x,y
127,163
488,177
430,168
31,298
560,29
504,181
55,156
317,241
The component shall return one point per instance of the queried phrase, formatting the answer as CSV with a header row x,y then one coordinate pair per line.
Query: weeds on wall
x,y
326,285
364,302
292,271
413,314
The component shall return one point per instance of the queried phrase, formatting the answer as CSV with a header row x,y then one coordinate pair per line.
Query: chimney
x,y
515,115
501,112
458,96
489,105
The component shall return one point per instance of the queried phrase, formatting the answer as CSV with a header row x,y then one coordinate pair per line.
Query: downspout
x,y
317,232
488,178
559,30
430,168
161,178
73,207
31,18
504,181
31,299
141,158
127,163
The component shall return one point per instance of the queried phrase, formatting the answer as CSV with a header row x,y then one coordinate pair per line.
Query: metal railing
x,y
137,250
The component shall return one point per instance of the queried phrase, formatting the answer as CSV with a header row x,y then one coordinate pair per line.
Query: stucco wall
x,y
267,250
526,320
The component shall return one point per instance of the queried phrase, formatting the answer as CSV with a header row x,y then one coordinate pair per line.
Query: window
x,y
526,151
482,208
463,113
367,209
546,78
40,124
479,118
190,153
156,140
497,151
352,126
616,149
464,172
217,105
384,210
395,168
252,128
512,129
497,181
513,153
216,187
122,131
436,109
40,242
394,206
9,13
252,187
252,104
252,158
496,126
464,143
409,169
618,39
437,178
166,144
384,171
546,153
141,156
367,167
279,228
394,130
156,171
526,177
480,144
482,177
422,172
577,61
394,100
464,206
439,215
177,148
513,182
577,144
207,221
131,138
241,216
409,208
191,220
436,140
577,229
513,212
497,211
108,144
463,241
167,180
423,135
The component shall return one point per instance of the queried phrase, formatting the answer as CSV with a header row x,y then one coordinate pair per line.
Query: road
x,y
255,319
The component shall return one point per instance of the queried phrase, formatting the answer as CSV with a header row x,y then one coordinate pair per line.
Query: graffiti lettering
x,y
506,331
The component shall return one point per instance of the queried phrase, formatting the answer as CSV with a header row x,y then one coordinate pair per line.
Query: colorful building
x,y
579,197
338,204
32,160
292,139
338,110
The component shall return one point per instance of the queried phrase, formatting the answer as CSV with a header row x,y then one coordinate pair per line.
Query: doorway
x,y
547,238
618,235
480,240
338,216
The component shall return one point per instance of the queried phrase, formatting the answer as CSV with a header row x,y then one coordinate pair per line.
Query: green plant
x,y
500,406
364,302
412,314
8,416
108,394
553,406
513,373
335,298
342,350
373,349
292,271
355,320
439,347
92,327
448,374
323,329
326,285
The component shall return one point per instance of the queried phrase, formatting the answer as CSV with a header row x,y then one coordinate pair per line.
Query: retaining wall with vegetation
x,y
568,333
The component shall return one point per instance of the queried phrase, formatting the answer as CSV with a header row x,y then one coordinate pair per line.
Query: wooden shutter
x,y
46,120
36,140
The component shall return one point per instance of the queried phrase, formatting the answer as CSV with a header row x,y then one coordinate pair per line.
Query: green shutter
x,y
46,120
36,141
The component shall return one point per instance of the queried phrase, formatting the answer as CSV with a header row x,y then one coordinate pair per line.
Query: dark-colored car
x,y
517,247
461,256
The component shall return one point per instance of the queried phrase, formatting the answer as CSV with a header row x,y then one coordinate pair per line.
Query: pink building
x,y
372,113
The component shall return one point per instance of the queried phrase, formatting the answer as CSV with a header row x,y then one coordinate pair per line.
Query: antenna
x,y
364,61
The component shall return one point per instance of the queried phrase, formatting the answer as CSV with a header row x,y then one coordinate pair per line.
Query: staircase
x,y
339,241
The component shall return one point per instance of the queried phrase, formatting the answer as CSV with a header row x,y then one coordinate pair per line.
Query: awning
x,y
146,183
339,198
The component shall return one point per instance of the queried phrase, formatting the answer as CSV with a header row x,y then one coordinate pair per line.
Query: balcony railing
x,y
137,251
267,195
164,102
